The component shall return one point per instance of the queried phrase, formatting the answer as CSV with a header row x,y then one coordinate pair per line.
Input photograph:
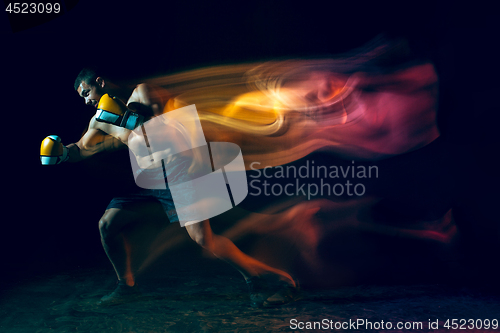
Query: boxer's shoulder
x,y
149,95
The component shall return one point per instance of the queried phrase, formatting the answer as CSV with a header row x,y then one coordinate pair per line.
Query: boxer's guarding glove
x,y
52,151
112,111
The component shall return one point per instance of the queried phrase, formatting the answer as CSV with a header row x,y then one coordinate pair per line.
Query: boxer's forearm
x,y
77,152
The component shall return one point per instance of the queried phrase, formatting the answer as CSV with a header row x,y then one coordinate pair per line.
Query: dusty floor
x,y
211,297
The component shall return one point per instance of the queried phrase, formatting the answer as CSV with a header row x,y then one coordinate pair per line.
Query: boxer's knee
x,y
105,227
112,223
201,235
199,238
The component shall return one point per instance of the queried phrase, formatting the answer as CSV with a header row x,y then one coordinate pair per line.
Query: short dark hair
x,y
87,75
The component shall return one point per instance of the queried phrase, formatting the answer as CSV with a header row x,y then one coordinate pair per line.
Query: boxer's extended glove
x,y
52,151
112,111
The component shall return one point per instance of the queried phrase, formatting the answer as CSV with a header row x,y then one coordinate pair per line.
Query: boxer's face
x,y
91,93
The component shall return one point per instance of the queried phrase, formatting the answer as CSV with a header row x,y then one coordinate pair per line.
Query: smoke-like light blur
x,y
355,108
278,112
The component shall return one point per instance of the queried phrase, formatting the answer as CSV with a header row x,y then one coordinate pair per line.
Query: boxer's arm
x,y
92,142
102,136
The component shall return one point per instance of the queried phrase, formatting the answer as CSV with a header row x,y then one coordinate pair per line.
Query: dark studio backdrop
x,y
50,214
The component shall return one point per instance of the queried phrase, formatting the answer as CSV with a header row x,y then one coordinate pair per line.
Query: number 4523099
x,y
33,8
463,324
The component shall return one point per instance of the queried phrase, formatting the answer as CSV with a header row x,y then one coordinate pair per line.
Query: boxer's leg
x,y
224,249
249,267
115,244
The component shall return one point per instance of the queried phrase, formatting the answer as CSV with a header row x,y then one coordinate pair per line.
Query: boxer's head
x,y
90,86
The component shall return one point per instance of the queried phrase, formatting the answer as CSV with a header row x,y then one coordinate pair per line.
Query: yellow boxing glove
x,y
113,111
53,151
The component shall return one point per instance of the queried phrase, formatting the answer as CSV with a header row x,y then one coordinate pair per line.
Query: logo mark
x,y
170,152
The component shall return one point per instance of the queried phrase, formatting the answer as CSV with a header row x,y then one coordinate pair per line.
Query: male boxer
x,y
109,130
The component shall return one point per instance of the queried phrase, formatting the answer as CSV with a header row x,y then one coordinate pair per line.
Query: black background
x,y
50,214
